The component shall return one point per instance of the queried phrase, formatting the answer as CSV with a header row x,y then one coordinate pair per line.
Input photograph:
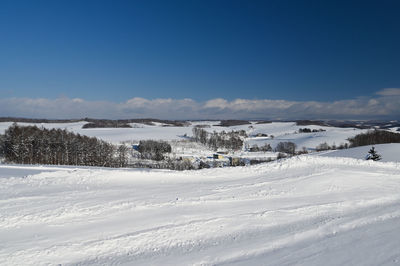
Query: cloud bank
x,y
385,105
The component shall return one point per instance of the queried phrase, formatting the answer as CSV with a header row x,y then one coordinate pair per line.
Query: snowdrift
x,y
306,210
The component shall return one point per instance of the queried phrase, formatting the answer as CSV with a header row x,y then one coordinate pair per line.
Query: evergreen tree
x,y
373,155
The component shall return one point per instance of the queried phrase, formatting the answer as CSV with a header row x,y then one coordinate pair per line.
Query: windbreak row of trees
x,y
309,130
374,137
264,148
106,124
33,145
226,140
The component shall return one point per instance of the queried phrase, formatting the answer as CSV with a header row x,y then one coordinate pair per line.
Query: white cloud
x,y
384,106
216,103
389,92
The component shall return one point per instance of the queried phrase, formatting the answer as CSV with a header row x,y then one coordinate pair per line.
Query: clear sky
x,y
113,51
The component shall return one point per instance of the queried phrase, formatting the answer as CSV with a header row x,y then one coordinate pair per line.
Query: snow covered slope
x,y
306,210
390,152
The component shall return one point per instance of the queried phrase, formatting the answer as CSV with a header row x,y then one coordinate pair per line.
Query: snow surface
x,y
306,210
390,152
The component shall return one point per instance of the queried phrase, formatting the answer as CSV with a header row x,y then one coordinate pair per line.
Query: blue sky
x,y
114,51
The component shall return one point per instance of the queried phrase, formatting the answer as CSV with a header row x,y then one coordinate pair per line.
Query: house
x,y
218,156
135,147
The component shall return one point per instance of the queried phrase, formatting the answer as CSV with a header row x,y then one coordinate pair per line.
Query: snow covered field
x,y
282,131
306,210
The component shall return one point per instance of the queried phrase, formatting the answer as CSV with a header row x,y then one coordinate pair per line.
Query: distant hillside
x,y
389,152
38,120
350,124
97,123
101,123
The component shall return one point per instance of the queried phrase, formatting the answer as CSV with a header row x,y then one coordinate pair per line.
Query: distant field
x,y
281,131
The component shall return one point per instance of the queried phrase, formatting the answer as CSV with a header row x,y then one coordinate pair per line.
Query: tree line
x,y
33,145
374,137
309,130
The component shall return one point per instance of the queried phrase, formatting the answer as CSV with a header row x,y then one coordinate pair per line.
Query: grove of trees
x,y
153,150
286,147
323,147
227,140
33,145
264,148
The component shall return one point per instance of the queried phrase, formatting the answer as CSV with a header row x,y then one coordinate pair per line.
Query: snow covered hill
x,y
306,210
390,152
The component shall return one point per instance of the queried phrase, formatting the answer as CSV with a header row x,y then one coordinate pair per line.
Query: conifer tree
x,y
373,155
